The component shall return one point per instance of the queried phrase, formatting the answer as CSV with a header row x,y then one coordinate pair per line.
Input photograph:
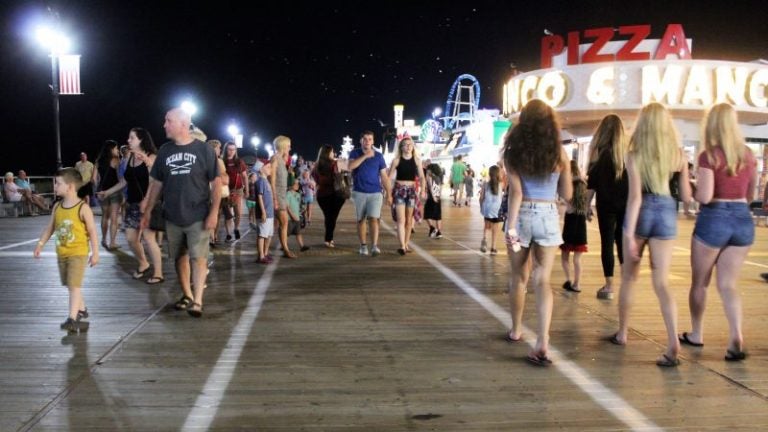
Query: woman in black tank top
x,y
406,168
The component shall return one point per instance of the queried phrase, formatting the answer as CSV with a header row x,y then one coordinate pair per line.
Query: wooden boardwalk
x,y
334,341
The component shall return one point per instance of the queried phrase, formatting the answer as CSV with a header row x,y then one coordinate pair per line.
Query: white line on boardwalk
x,y
207,404
609,400
17,244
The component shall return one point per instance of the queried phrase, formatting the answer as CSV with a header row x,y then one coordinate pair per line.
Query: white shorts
x,y
266,229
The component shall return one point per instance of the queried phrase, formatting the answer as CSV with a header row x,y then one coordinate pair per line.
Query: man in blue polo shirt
x,y
369,174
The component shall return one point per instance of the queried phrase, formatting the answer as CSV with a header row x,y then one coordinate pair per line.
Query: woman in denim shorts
x,y
405,169
724,232
538,171
654,154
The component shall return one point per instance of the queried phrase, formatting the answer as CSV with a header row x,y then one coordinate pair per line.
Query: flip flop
x,y
539,360
139,274
731,355
509,339
154,280
685,340
667,361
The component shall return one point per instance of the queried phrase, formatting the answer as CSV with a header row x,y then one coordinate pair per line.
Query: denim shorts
x,y
539,222
404,195
721,224
367,205
657,218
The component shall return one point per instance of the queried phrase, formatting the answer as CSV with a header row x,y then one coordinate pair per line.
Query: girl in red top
x,y
238,182
724,231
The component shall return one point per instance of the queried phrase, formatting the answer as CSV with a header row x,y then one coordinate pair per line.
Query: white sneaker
x,y
375,251
363,250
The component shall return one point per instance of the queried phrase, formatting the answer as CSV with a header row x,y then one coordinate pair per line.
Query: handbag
x,y
156,219
341,183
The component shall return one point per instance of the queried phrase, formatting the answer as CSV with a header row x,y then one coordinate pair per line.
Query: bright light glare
x,y
189,107
255,141
54,41
233,130
436,112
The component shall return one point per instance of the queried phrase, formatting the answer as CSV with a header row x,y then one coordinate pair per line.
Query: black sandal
x,y
183,303
139,274
196,313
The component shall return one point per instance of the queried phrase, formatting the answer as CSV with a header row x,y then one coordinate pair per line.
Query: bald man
x,y
186,173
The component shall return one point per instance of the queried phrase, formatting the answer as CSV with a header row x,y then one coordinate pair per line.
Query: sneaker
x,y
604,294
253,226
494,252
438,234
363,250
431,231
74,326
304,248
483,246
228,239
375,251
82,314
237,234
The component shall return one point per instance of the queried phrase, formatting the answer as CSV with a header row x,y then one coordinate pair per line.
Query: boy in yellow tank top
x,y
73,227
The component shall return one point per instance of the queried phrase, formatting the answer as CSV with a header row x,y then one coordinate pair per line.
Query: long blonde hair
x,y
721,130
609,137
655,147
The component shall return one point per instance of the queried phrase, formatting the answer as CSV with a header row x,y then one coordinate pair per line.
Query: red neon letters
x,y
673,42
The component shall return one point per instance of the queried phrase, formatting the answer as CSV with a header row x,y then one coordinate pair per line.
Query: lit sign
x,y
672,43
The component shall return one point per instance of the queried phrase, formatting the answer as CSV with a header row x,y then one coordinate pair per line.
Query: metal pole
x,y
55,90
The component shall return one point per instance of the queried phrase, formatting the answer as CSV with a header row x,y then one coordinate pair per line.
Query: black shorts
x,y
85,190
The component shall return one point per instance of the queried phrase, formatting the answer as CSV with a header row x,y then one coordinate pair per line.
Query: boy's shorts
x,y
72,270
266,229
294,227
250,204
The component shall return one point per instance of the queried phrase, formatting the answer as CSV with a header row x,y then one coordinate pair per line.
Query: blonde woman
x,y
279,183
406,167
727,175
538,172
654,155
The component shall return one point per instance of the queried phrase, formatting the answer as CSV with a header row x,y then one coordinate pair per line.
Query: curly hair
x,y
532,146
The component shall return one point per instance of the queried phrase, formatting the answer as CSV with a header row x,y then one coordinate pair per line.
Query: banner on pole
x,y
69,75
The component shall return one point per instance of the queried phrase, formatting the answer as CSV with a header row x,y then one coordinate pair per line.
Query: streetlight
x,y
58,44
255,141
436,112
189,107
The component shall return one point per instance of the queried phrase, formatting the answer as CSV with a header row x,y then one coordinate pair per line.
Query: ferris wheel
x,y
463,101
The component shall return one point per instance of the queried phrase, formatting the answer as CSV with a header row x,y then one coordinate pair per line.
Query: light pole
x,y
57,43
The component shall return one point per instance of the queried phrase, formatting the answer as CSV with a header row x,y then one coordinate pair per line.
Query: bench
x,y
11,209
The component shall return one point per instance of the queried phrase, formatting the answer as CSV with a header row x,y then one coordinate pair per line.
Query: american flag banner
x,y
69,75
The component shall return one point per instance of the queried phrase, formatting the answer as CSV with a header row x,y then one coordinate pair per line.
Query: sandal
x,y
195,310
139,274
604,294
155,280
183,303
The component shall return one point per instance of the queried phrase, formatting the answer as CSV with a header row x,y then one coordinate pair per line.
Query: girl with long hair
x,y
279,182
490,203
607,178
724,232
574,231
330,203
405,169
653,156
537,172
106,177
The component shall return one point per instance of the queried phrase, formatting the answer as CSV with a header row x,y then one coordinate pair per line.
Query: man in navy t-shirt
x,y
369,175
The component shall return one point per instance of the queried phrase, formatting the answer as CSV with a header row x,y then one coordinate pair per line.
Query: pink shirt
x,y
729,187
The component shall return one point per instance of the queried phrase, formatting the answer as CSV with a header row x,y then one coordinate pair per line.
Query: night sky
x,y
313,71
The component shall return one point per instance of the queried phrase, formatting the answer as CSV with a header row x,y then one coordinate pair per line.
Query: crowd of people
x,y
630,181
